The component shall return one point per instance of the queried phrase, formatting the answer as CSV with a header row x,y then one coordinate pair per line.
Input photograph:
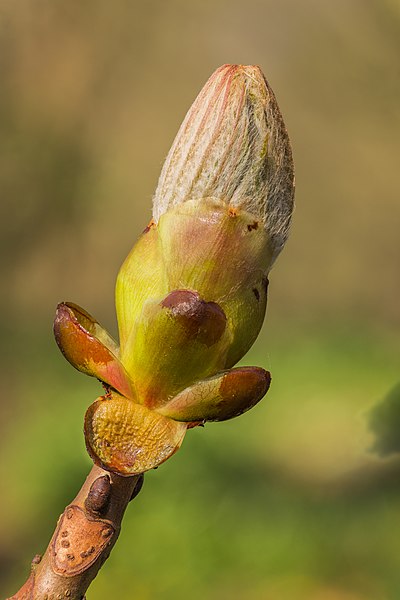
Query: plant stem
x,y
83,539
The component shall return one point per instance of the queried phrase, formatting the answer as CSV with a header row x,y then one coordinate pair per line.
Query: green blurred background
x,y
287,502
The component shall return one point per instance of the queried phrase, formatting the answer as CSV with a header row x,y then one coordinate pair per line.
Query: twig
x,y
83,539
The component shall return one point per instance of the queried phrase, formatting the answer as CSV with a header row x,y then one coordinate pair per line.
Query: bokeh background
x,y
287,502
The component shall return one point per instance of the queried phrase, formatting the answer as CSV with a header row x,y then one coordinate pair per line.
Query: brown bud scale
x,y
99,496
205,321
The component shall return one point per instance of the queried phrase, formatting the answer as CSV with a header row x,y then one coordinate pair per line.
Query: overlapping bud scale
x,y
191,296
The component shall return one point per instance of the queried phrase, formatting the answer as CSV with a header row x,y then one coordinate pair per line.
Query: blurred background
x,y
287,502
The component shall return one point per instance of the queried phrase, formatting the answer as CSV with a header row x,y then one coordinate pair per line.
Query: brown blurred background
x,y
286,503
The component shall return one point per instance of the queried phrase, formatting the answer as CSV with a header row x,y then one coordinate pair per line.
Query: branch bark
x,y
83,539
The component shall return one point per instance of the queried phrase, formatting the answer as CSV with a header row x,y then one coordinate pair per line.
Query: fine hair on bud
x,y
233,146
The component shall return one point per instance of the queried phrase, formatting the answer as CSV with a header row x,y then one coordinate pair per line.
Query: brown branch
x,y
83,539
